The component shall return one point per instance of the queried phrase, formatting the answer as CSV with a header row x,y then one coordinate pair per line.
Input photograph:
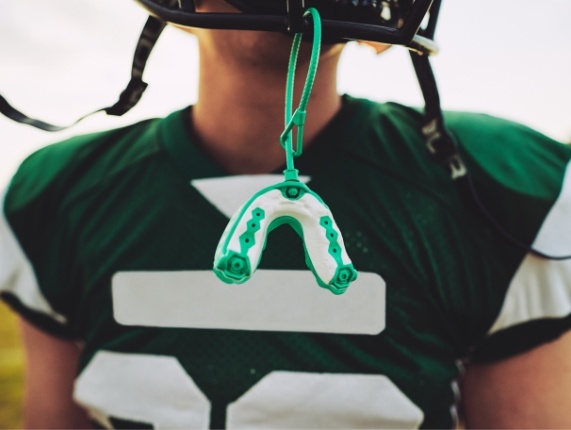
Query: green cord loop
x,y
297,119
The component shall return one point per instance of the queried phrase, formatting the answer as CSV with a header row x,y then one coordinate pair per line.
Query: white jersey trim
x,y
541,288
17,276
299,400
146,388
273,300
156,389
229,193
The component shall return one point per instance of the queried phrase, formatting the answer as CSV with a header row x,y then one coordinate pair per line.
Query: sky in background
x,y
60,59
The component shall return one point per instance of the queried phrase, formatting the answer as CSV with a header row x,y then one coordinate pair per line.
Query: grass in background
x,y
11,370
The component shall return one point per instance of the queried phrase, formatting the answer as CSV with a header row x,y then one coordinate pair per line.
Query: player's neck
x,y
240,112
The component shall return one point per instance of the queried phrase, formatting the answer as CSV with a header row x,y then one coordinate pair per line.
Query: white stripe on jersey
x,y
542,288
273,300
17,276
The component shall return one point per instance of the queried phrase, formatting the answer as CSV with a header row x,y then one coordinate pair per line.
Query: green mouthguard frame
x,y
289,202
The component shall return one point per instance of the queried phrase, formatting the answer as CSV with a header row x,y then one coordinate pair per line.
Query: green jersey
x,y
109,239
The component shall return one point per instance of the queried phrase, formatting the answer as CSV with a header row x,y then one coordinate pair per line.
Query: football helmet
x,y
395,22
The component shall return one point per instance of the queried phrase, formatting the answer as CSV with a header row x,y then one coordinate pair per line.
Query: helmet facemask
x,y
395,22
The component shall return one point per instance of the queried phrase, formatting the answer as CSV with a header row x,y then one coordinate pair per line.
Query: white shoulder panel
x,y
16,274
541,288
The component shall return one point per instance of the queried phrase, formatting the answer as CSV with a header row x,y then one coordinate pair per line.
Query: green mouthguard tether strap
x,y
298,117
289,202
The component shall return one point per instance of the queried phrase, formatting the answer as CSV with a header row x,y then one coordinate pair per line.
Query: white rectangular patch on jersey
x,y
273,300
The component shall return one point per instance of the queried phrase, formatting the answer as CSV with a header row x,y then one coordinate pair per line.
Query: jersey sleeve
x,y
19,285
537,304
36,265
43,273
524,179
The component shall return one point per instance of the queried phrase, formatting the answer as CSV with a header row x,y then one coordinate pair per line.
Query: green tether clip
x,y
288,202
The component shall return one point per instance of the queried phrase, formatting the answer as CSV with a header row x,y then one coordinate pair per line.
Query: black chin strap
x,y
128,98
443,148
